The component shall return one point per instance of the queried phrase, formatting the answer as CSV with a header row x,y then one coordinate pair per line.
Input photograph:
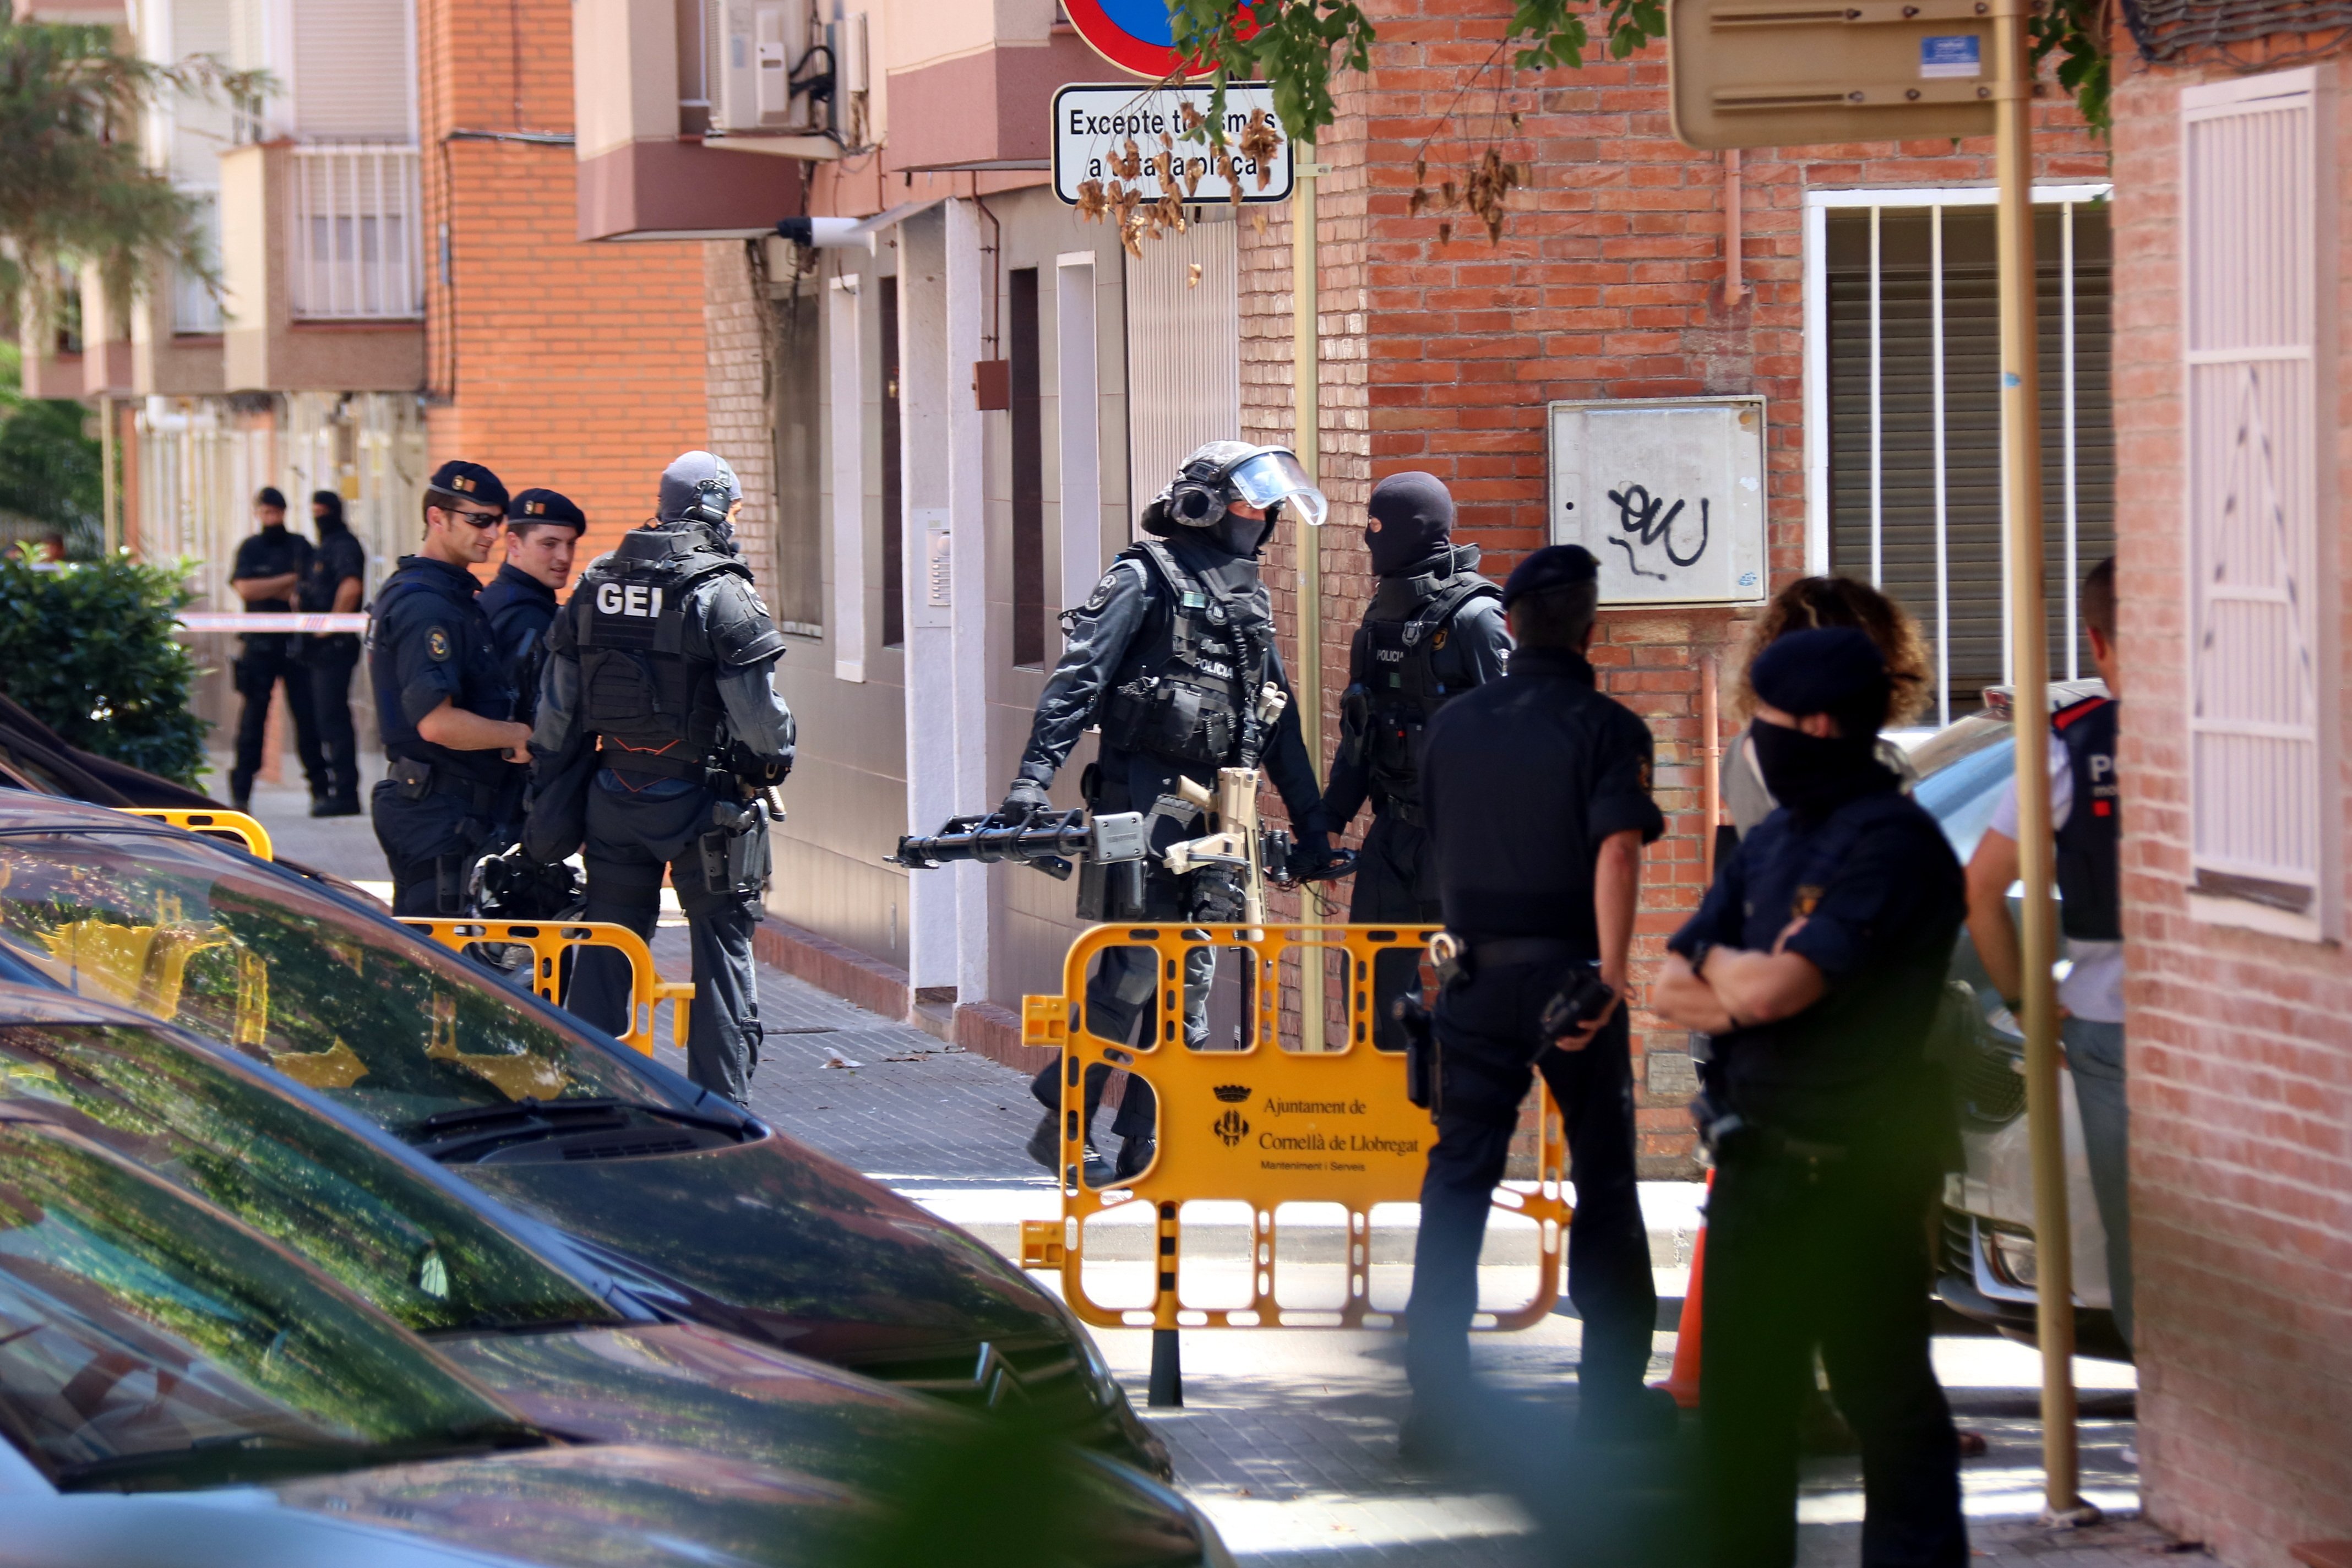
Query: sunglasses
x,y
478,519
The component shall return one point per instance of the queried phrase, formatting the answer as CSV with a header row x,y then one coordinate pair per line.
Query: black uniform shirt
x,y
1882,899
1521,780
272,552
521,610
428,642
340,558
1474,650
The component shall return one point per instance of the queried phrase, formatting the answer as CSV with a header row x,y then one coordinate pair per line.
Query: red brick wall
x,y
576,366
1441,354
2241,1045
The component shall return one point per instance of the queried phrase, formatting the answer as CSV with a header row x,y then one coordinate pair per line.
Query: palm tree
x,y
74,189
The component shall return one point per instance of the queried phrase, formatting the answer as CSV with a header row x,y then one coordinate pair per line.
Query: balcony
x,y
322,263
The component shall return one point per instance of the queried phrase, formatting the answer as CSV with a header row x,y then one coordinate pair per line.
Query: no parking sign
x,y
1133,35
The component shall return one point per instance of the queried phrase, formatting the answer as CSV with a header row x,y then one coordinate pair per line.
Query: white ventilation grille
x,y
1184,353
2254,190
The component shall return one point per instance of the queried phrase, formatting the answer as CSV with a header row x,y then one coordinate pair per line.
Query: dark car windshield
x,y
144,1341
411,1247
391,1025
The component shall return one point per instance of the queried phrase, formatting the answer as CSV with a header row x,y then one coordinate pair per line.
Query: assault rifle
x,y
1228,866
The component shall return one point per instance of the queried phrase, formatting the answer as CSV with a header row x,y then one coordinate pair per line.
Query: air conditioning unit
x,y
757,42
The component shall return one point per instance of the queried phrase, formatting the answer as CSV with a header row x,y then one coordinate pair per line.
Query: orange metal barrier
x,y
1265,1123
548,941
234,824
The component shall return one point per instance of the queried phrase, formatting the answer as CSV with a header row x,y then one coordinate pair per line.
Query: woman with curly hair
x,y
1806,604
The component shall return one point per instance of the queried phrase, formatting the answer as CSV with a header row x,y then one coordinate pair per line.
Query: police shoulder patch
x,y
1101,595
436,643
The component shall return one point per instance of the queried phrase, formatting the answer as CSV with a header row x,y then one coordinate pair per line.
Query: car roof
x,y
20,811
40,1004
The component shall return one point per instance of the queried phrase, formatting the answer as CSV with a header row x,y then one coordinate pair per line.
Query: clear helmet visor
x,y
1272,477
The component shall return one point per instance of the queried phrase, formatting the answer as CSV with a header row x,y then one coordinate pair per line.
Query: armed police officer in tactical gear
x,y
1171,656
1816,965
544,529
658,679
442,700
1537,794
1434,631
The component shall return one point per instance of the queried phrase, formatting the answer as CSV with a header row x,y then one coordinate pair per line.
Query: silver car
x,y
1987,1269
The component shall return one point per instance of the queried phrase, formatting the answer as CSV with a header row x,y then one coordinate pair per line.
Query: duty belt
x,y
1487,951
663,765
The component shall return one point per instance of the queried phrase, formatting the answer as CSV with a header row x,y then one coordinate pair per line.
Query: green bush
x,y
87,649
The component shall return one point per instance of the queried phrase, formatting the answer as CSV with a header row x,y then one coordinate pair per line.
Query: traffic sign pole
x,y
2028,641
1307,369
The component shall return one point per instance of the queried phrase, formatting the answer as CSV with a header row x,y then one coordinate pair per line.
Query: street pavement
x,y
1287,1438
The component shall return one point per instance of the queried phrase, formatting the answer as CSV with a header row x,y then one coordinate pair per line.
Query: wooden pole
x,y
1307,685
2021,409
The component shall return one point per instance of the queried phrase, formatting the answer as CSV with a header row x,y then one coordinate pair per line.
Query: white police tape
x,y
248,621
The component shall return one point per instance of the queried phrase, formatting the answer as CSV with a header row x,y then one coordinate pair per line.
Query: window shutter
x,y
2257,201
352,81
1184,351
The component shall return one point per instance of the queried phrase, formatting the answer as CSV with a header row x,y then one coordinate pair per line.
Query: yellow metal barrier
x,y
549,941
235,824
1262,1123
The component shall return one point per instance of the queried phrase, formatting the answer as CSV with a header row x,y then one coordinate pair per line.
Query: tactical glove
x,y
1023,800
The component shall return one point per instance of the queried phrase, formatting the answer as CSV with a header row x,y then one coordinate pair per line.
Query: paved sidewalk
x,y
1288,1437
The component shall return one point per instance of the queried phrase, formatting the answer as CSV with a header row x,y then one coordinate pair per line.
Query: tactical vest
x,y
1395,683
655,707
2090,846
1190,696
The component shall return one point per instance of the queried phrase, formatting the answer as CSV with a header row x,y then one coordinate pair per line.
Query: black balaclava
x,y
1834,671
1412,520
329,522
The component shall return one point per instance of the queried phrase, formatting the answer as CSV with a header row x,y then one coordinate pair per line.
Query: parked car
x,y
151,1343
694,1206
1987,1269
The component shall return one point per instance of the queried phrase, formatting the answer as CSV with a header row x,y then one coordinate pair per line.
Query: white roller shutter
x,y
1184,353
2257,215
355,71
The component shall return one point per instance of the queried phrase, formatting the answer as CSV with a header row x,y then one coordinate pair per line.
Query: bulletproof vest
x,y
2090,858
1395,674
1187,693
639,688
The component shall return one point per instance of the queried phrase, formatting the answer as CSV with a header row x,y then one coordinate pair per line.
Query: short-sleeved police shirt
x,y
1521,781
272,552
429,642
1882,899
338,559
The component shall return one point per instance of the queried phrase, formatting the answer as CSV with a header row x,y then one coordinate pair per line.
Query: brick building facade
x,y
2229,402
1440,351
579,367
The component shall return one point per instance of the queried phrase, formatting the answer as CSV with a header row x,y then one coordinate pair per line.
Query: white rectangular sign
x,y
1099,128
1668,493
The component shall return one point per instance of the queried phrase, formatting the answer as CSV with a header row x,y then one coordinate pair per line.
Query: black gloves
x,y
1023,800
1315,860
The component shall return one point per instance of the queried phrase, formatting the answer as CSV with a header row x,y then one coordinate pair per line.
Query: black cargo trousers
x,y
1490,1047
632,836
1392,887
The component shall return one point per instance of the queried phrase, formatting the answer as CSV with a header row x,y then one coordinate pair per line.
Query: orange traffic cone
x,y
1683,1381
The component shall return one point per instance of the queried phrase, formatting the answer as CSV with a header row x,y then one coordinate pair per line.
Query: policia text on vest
x,y
660,736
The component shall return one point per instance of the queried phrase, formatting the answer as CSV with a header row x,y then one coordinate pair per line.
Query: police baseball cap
x,y
1553,566
467,482
536,506
1836,670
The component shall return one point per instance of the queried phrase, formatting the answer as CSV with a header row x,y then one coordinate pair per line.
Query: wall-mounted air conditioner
x,y
757,43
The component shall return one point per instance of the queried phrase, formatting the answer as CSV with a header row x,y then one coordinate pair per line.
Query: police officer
x,y
1537,793
1434,630
442,700
2086,816
333,585
1169,657
269,566
663,659
1816,962
543,531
